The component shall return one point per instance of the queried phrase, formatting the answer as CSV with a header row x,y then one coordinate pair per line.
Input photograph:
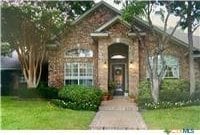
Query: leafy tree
x,y
131,11
190,12
5,49
29,26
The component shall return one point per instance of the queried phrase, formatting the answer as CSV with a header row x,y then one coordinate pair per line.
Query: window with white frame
x,y
172,66
78,73
79,53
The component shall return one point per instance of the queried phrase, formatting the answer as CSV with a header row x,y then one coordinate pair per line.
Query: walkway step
x,y
118,108
118,113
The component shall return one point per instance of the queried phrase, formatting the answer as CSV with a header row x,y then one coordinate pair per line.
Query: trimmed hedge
x,y
173,93
79,97
175,90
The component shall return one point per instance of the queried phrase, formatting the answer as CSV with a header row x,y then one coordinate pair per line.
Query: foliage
x,y
47,92
182,9
73,105
133,8
167,104
196,94
144,95
111,87
72,9
28,93
173,93
28,29
42,91
197,85
29,26
40,115
174,90
136,11
189,12
81,97
59,103
6,49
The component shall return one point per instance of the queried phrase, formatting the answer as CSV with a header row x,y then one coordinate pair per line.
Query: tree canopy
x,y
28,27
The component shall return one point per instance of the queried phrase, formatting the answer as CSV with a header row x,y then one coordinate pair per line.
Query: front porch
x,y
118,62
118,56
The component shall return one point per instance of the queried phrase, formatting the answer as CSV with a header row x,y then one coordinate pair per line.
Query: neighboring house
x,y
101,48
11,75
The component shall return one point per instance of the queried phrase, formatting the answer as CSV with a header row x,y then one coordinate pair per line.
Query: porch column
x,y
133,68
103,65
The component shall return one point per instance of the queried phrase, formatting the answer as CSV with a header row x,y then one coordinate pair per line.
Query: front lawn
x,y
173,118
39,114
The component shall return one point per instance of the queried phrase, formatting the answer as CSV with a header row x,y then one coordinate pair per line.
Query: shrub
x,y
172,93
198,85
58,102
196,94
47,92
174,90
28,93
166,104
111,87
144,95
42,91
80,97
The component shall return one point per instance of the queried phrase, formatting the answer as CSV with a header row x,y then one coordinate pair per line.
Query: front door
x,y
118,76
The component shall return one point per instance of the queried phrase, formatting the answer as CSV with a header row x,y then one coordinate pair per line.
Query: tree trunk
x,y
155,87
31,84
190,41
191,65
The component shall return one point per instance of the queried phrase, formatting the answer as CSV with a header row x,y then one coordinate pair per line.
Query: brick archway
x,y
118,67
132,62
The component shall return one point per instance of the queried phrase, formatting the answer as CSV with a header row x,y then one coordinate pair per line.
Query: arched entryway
x,y
118,58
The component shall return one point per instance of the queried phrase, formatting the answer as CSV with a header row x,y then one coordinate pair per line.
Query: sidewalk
x,y
119,113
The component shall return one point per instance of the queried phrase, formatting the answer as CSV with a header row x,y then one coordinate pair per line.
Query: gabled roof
x,y
94,8
113,21
159,30
118,18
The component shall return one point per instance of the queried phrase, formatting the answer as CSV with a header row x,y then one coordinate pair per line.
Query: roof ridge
x,y
94,7
110,22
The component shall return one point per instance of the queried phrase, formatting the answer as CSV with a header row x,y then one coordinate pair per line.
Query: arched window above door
x,y
79,53
118,57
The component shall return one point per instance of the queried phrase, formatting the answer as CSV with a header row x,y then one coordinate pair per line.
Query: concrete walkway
x,y
119,113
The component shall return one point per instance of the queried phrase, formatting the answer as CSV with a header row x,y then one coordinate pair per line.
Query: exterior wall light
x,y
105,64
131,64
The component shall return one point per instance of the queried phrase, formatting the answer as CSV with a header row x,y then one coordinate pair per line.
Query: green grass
x,y
173,118
39,114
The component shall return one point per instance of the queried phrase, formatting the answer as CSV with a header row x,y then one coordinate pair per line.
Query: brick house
x,y
101,48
